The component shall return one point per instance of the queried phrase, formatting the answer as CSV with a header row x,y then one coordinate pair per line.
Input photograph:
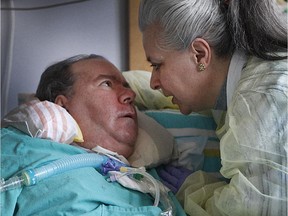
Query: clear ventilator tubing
x,y
130,170
32,176
12,183
160,194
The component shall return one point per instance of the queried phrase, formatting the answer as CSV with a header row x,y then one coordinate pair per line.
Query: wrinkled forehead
x,y
91,68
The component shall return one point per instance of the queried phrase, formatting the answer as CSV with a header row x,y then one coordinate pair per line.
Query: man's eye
x,y
155,66
107,83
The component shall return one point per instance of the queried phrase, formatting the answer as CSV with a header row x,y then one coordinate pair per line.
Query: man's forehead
x,y
92,68
90,63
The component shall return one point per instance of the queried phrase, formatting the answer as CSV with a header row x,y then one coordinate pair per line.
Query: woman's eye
x,y
155,66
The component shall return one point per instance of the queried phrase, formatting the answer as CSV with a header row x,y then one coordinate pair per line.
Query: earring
x,y
201,67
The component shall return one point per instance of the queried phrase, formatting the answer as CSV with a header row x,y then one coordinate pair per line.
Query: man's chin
x,y
129,138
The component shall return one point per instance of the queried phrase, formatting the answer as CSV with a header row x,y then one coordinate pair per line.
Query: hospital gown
x,y
81,191
253,149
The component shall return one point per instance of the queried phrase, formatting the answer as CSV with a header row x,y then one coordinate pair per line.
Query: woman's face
x,y
175,72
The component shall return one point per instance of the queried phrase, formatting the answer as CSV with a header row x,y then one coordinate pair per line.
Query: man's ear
x,y
61,100
201,51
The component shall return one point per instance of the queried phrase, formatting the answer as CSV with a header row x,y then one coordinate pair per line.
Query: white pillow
x,y
154,146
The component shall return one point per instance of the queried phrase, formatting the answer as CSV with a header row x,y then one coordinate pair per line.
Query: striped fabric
x,y
45,120
195,138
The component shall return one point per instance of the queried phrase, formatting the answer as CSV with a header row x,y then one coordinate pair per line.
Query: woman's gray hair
x,y
253,26
58,79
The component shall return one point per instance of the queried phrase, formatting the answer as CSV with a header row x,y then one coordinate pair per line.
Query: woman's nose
x,y
154,82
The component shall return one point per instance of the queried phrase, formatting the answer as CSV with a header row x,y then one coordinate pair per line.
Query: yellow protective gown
x,y
253,149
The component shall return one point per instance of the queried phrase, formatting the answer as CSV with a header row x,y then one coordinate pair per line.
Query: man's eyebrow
x,y
105,76
112,77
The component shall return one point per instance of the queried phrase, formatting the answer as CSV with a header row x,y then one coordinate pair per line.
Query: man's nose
x,y
128,96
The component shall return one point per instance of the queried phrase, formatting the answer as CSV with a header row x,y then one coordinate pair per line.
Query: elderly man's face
x,y
102,104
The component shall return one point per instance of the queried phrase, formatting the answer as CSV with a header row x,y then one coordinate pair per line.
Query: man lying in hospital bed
x,y
191,143
84,102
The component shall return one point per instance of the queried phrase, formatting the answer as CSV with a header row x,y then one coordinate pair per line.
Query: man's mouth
x,y
128,115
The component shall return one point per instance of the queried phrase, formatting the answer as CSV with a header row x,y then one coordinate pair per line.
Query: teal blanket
x,y
78,192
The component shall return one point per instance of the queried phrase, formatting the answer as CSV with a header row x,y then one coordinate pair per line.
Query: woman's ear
x,y
61,100
201,51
